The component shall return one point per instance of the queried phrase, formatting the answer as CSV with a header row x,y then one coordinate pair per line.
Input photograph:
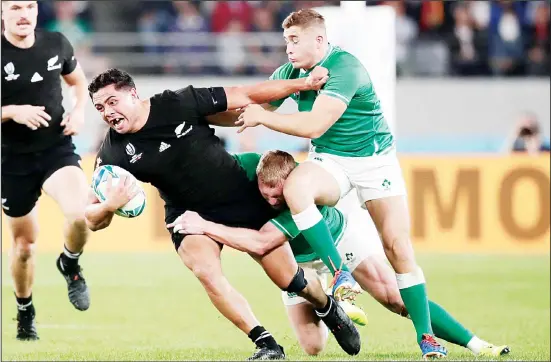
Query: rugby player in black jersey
x,y
167,141
38,152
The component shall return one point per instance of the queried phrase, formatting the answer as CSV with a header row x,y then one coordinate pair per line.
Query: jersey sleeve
x,y
285,223
206,101
282,72
248,161
69,62
344,78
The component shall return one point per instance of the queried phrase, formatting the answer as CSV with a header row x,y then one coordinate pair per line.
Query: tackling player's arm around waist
x,y
256,242
269,172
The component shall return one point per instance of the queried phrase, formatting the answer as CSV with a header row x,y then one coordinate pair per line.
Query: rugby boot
x,y
342,327
77,289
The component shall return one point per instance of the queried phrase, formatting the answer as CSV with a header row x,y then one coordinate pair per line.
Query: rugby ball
x,y
99,185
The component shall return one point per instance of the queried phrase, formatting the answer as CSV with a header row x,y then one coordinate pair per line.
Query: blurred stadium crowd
x,y
434,38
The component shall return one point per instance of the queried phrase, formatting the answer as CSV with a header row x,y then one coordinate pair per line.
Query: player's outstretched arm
x,y
264,93
325,112
229,118
273,90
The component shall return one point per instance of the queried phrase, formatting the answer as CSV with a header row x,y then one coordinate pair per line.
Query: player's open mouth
x,y
116,122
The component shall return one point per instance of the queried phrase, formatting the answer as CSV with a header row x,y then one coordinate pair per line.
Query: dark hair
x,y
119,78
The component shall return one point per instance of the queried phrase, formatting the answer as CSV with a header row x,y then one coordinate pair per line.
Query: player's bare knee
x,y
197,267
313,341
23,248
75,216
204,271
78,224
397,245
209,279
312,348
297,185
208,276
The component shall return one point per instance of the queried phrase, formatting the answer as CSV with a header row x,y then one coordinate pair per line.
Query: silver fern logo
x,y
180,130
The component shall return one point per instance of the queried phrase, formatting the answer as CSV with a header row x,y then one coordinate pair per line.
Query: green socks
x,y
447,327
414,294
427,316
314,229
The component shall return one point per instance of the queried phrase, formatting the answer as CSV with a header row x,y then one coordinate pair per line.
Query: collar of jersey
x,y
327,53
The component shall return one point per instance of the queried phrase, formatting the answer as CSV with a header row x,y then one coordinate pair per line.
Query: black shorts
x,y
23,176
178,238
251,213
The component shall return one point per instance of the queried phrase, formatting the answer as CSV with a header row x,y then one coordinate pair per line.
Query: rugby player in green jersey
x,y
352,148
357,242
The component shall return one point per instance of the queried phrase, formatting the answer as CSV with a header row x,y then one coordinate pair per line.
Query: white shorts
x,y
373,177
359,241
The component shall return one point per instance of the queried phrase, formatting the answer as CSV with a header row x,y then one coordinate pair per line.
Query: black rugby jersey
x,y
33,76
177,152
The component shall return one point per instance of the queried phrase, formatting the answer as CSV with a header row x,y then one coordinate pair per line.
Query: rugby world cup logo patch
x,y
131,151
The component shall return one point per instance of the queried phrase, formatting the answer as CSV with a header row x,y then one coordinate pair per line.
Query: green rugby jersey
x,y
362,129
284,221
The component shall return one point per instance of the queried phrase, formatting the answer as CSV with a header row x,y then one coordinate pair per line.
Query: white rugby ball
x,y
99,184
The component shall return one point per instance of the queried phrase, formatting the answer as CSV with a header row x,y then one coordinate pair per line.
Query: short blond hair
x,y
274,167
303,18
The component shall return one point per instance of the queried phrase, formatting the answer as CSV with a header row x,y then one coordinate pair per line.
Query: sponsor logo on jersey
x,y
52,63
10,70
180,130
136,158
214,100
131,151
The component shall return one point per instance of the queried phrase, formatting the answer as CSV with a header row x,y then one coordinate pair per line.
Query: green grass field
x,y
150,307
